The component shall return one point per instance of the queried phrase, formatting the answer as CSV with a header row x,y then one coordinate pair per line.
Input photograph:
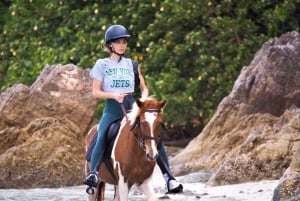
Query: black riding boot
x,y
92,178
173,186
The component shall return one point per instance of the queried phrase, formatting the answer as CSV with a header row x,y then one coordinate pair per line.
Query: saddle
x,y
109,138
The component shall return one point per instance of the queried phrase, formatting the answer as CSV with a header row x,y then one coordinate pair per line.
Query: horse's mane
x,y
135,111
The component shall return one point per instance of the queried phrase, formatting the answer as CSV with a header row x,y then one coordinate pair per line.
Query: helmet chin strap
x,y
120,55
117,53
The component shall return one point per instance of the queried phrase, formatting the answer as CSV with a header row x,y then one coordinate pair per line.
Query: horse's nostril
x,y
149,156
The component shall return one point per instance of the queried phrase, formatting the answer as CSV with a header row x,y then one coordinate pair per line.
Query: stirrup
x,y
91,180
174,186
90,190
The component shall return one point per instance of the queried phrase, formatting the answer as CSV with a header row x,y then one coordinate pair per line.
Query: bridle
x,y
143,136
137,123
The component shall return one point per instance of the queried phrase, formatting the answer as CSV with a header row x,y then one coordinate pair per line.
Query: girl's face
x,y
119,45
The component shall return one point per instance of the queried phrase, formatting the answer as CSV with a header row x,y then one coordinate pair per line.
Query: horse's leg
x,y
98,194
117,194
100,191
122,188
92,197
147,188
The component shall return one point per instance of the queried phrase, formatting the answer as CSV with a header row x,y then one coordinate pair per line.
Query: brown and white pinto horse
x,y
134,152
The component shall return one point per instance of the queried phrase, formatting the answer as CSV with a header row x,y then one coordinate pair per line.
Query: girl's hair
x,y
107,46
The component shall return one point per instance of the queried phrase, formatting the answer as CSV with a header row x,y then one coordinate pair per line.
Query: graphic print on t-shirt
x,y
119,79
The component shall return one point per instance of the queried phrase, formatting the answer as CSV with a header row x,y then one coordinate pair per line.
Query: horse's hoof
x,y
90,190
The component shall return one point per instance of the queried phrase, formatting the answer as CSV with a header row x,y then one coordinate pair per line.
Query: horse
x,y
134,152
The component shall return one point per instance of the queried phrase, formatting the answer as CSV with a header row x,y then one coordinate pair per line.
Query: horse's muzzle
x,y
151,157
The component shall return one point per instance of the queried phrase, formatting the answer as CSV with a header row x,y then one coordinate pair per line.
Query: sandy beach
x,y
193,190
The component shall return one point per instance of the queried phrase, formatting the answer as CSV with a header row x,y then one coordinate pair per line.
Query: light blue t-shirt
x,y
115,76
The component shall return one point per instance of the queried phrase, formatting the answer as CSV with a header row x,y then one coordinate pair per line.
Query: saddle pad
x,y
109,137
91,147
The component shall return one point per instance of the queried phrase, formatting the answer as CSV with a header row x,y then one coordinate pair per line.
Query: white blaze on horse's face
x,y
151,150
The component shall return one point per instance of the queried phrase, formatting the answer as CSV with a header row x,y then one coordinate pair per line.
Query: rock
x,y
289,184
42,129
255,130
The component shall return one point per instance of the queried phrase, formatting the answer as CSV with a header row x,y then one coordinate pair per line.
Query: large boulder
x,y
255,131
42,128
289,184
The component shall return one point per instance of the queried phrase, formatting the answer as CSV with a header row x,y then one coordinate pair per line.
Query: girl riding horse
x,y
114,81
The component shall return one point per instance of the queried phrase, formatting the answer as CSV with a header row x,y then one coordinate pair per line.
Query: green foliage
x,y
190,52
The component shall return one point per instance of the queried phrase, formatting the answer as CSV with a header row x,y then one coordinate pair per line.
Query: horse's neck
x,y
131,134
134,137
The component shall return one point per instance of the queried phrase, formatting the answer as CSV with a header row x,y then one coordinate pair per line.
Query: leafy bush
x,y
190,52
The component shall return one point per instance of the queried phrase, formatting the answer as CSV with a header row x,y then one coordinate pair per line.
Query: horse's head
x,y
146,121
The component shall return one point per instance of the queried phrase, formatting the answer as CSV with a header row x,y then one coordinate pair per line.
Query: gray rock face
x,y
255,131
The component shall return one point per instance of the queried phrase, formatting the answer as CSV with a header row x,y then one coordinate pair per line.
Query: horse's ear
x,y
163,103
139,102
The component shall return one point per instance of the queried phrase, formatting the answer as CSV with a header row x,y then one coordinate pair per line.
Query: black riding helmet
x,y
115,32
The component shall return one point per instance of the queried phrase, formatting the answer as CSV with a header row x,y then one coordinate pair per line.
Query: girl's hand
x,y
119,97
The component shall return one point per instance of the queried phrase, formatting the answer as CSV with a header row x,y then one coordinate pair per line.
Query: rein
x,y
124,111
